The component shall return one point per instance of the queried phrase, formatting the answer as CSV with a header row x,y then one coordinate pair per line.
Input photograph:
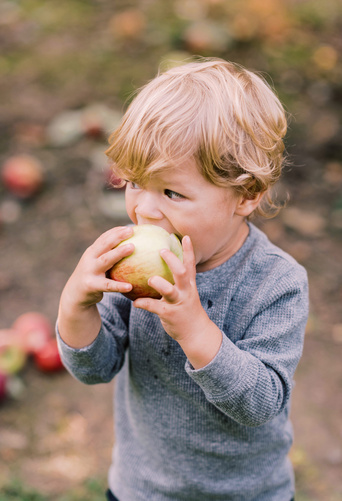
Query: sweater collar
x,y
234,260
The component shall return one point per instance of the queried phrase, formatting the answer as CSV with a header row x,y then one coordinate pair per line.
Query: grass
x,y
91,490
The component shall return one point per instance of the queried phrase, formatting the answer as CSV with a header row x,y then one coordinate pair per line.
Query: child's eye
x,y
173,195
134,186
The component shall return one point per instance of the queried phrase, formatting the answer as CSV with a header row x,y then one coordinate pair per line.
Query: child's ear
x,y
245,206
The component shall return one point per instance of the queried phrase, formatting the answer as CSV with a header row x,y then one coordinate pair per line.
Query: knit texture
x,y
221,432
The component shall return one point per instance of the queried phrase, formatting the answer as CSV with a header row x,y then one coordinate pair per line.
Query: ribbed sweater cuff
x,y
229,370
89,356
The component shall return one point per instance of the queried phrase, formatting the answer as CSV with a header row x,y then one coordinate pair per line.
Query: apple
x,y
22,175
3,386
12,359
47,358
34,331
8,337
145,261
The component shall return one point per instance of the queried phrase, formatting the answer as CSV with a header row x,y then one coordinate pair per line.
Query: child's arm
x,y
250,380
78,319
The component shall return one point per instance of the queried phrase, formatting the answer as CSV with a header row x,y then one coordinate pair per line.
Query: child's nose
x,y
147,207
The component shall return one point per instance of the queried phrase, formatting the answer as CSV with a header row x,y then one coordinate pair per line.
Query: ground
x,y
56,436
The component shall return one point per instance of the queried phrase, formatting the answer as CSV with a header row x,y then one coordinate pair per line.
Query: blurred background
x,y
68,70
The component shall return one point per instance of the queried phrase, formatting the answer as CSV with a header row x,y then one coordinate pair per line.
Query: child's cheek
x,y
130,209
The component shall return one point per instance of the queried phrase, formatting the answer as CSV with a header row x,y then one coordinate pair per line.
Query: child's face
x,y
183,202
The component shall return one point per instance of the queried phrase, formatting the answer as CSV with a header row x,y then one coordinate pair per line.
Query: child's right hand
x,y
78,318
89,281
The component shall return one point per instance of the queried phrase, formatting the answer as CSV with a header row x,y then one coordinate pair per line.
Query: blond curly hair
x,y
224,116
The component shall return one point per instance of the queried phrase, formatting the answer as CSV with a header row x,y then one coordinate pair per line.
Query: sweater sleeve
x,y
101,361
251,380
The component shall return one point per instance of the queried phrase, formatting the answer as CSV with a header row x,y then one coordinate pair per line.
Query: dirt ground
x,y
58,432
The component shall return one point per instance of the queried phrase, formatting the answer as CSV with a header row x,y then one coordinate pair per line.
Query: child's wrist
x,y
202,345
78,326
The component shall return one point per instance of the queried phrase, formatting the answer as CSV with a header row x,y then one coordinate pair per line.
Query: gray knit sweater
x,y
221,432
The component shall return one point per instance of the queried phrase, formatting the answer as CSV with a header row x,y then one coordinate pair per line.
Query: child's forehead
x,y
177,171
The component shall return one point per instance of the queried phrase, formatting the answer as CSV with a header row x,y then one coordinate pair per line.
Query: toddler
x,y
204,374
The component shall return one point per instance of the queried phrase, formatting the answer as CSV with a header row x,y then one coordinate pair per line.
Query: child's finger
x,y
183,272
108,285
110,239
107,260
165,288
175,264
148,304
189,259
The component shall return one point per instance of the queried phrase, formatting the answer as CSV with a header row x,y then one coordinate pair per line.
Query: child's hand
x,y
180,310
89,280
78,319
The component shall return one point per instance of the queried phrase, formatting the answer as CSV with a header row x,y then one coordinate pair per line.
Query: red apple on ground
x,y
34,331
22,175
47,358
3,386
146,261
12,359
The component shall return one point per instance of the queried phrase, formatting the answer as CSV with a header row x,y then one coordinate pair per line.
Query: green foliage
x,y
15,491
92,490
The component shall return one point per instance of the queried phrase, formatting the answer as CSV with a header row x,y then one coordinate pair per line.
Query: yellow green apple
x,y
12,359
145,261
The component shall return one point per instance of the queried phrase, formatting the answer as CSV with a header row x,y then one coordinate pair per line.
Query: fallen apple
x,y
145,261
34,331
47,359
3,386
8,337
12,359
22,175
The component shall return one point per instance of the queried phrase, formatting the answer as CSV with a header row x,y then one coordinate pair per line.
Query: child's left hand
x,y
180,310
